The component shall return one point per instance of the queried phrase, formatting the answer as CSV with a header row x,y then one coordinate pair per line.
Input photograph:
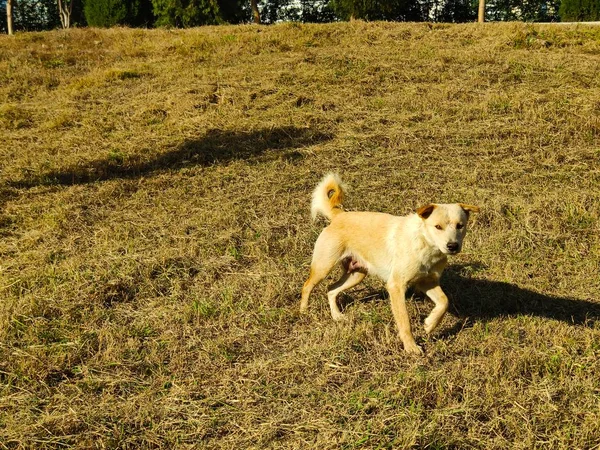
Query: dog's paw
x,y
413,349
430,325
338,317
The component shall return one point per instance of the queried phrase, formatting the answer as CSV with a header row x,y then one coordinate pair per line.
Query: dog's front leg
x,y
397,292
437,313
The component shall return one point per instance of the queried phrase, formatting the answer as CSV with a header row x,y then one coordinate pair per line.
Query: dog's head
x,y
445,226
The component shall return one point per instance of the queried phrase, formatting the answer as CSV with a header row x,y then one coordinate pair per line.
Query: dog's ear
x,y
425,211
469,208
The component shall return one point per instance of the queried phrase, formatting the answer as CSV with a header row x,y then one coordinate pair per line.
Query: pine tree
x,y
108,13
191,13
105,13
579,10
396,10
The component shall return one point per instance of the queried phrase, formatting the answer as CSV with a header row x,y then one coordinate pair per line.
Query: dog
x,y
403,251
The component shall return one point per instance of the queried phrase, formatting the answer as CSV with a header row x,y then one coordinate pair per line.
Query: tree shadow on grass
x,y
215,147
476,300
7,194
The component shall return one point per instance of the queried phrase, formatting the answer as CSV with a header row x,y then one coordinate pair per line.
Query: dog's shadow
x,y
475,300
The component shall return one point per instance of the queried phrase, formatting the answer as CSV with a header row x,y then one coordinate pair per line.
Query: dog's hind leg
x,y
314,278
347,281
326,255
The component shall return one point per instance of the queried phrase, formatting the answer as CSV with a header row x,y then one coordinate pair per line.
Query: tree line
x,y
34,15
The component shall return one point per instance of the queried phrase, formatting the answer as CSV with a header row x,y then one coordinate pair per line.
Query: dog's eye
x,y
439,227
459,226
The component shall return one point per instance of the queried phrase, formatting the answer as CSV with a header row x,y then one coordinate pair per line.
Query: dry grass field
x,y
155,233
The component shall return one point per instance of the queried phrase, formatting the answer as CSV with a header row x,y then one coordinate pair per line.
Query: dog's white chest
x,y
426,263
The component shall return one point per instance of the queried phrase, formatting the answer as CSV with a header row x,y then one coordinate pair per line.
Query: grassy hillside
x,y
155,235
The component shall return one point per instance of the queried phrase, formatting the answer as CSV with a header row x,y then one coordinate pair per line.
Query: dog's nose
x,y
452,246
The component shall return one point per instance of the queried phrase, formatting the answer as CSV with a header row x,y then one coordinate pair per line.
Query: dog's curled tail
x,y
327,197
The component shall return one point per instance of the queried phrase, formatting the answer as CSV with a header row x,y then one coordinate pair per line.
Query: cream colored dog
x,y
403,251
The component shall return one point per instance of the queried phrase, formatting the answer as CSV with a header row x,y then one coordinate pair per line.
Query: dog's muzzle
x,y
453,247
